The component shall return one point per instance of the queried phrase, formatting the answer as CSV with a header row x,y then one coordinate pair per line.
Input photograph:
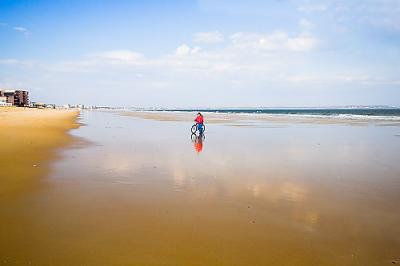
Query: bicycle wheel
x,y
194,128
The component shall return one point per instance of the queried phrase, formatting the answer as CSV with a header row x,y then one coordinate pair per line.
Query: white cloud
x,y
9,61
363,79
16,62
301,43
184,50
208,37
242,55
255,61
312,8
276,41
119,55
16,28
20,29
380,14
305,24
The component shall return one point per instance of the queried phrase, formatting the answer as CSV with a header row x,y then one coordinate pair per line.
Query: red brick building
x,y
16,97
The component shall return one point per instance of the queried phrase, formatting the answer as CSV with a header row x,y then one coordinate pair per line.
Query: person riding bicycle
x,y
199,121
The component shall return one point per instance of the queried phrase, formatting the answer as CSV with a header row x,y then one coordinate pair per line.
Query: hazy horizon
x,y
259,107
221,54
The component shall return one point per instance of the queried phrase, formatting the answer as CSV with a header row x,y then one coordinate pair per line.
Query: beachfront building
x,y
3,101
14,97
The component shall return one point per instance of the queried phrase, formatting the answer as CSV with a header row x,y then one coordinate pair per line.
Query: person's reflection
x,y
198,142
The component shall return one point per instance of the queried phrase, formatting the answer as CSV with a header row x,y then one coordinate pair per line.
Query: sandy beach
x,y
198,132
145,193
29,138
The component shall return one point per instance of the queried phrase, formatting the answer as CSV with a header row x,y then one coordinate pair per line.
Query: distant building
x,y
38,105
50,106
3,101
15,97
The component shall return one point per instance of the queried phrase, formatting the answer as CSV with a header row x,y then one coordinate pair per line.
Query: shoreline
x,y
239,118
30,140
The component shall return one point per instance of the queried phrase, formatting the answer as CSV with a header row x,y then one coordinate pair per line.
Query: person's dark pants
x,y
200,128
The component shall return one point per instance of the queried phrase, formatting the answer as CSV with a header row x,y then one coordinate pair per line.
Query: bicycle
x,y
195,128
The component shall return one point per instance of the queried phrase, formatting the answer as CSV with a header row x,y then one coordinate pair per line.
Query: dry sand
x,y
29,138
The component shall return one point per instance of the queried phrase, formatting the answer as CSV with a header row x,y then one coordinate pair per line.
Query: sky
x,y
204,53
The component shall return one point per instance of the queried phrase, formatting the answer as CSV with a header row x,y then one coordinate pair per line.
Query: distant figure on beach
x,y
200,122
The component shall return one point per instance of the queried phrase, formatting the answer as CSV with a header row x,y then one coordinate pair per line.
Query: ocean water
x,y
302,111
345,113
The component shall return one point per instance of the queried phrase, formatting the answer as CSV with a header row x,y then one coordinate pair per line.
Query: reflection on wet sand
x,y
299,195
198,142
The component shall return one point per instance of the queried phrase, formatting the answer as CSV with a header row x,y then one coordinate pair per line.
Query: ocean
x,y
385,113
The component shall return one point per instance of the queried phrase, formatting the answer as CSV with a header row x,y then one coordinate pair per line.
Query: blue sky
x,y
203,53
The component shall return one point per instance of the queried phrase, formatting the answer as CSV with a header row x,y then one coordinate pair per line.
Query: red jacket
x,y
199,119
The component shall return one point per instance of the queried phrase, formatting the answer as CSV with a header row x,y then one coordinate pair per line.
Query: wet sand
x,y
28,140
264,193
